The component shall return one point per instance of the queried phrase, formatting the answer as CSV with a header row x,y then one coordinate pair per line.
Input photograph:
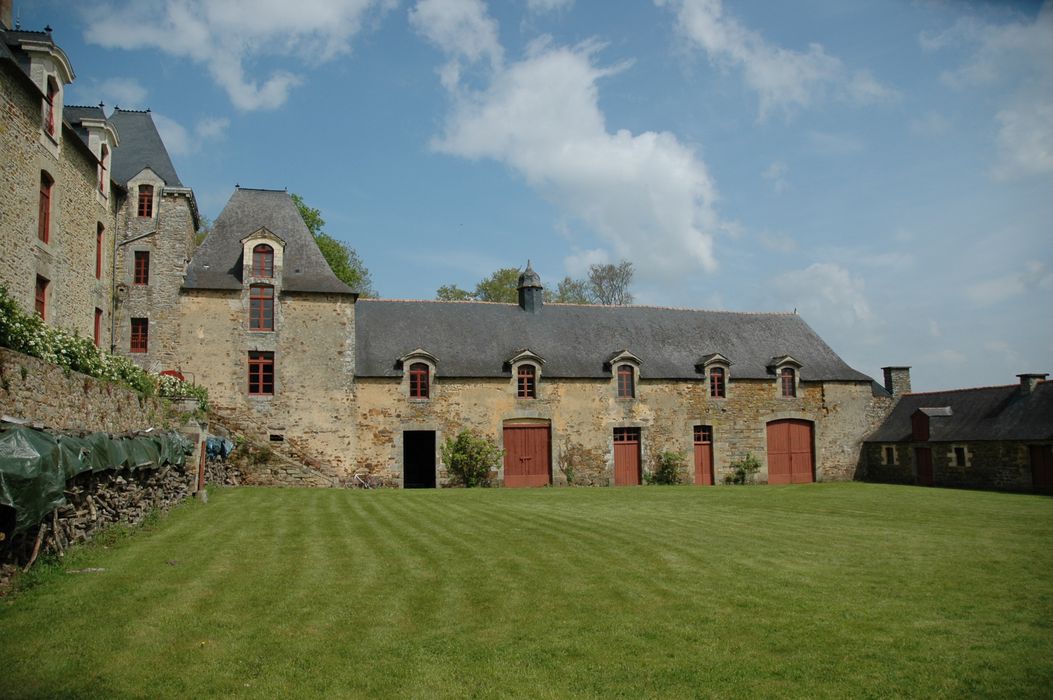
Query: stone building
x,y
997,437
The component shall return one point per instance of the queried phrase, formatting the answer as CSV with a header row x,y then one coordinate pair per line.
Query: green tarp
x,y
34,465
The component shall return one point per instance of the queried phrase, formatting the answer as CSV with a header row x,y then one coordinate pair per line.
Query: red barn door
x,y
626,456
704,455
791,459
527,455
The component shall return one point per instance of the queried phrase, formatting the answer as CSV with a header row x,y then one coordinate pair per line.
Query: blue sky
x,y
884,168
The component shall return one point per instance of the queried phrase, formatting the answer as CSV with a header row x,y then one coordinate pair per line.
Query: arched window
x,y
527,382
49,106
261,308
104,157
789,382
44,213
626,383
418,380
717,384
146,201
263,261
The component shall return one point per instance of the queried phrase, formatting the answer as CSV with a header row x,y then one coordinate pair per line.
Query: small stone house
x,y
998,437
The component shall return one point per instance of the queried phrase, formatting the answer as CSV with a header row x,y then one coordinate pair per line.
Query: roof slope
x,y
141,147
217,263
75,114
985,413
475,339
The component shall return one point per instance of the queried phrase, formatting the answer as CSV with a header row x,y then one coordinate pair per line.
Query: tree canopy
x,y
606,284
342,258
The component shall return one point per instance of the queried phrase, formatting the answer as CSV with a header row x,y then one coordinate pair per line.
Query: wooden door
x,y
923,461
527,450
704,455
627,457
791,457
1042,468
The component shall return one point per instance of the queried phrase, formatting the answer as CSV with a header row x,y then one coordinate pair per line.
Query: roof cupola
x,y
531,293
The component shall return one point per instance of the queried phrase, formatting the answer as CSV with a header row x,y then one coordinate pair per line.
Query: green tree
x,y
502,285
609,284
451,292
204,227
570,291
342,258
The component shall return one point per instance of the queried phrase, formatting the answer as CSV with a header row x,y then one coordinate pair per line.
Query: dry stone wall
x,y
1003,466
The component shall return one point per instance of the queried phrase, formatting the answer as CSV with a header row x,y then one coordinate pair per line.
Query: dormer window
x,y
146,201
418,381
785,369
49,106
263,261
788,379
626,382
718,388
527,382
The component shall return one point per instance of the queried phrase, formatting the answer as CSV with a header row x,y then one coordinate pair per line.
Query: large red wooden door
x,y
626,456
923,460
704,455
790,456
1042,468
527,455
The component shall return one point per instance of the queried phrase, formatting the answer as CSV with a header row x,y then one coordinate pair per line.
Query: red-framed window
x,y
140,341
263,261
703,434
527,382
626,382
418,381
146,200
100,232
141,270
40,297
49,106
44,212
103,158
718,386
261,308
261,373
97,335
627,435
789,382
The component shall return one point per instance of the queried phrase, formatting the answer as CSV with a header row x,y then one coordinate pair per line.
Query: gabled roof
x,y
475,339
985,413
141,147
75,114
217,263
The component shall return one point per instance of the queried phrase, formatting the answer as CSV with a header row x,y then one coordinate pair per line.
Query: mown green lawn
x,y
823,590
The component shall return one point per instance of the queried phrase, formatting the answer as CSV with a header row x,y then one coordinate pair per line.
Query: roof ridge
x,y
260,189
590,306
968,388
132,111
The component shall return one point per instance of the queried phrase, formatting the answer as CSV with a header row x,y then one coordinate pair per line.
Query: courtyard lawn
x,y
822,590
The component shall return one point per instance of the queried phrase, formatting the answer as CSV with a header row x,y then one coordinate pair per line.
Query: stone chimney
x,y
1028,382
531,293
897,380
6,12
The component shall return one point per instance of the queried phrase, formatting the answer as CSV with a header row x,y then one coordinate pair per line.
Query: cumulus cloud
x,y
1005,287
541,6
124,92
784,79
827,291
227,35
647,195
181,141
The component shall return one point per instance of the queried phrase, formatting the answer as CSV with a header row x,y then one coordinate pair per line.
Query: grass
x,y
826,590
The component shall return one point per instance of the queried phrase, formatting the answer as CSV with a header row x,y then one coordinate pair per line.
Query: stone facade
x,y
1001,466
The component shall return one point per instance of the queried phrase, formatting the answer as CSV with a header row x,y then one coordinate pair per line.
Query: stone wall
x,y
43,393
77,209
999,465
583,414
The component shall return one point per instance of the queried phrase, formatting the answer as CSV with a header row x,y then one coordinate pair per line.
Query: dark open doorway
x,y
418,459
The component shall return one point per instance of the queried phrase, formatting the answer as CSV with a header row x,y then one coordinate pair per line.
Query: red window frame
x,y
626,382
789,382
718,386
703,434
100,231
49,118
40,297
140,335
627,435
263,261
526,381
141,269
146,201
261,307
261,373
419,375
44,212
98,327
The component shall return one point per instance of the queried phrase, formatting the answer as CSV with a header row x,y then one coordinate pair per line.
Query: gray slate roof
x,y
475,339
217,263
141,147
985,413
75,113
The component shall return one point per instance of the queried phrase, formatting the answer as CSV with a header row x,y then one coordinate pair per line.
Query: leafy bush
x,y
175,388
743,470
671,467
470,458
27,333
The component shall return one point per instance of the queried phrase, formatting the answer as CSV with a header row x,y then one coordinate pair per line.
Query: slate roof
x,y
75,113
985,413
475,339
141,147
217,263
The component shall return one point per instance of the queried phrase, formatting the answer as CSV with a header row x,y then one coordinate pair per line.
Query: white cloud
x,y
226,35
776,172
829,292
459,28
541,6
577,263
999,289
180,142
930,124
646,195
782,78
934,329
1025,140
123,92
778,242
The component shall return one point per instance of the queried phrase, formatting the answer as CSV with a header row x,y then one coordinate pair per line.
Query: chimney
x,y
1028,382
6,12
897,380
531,293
